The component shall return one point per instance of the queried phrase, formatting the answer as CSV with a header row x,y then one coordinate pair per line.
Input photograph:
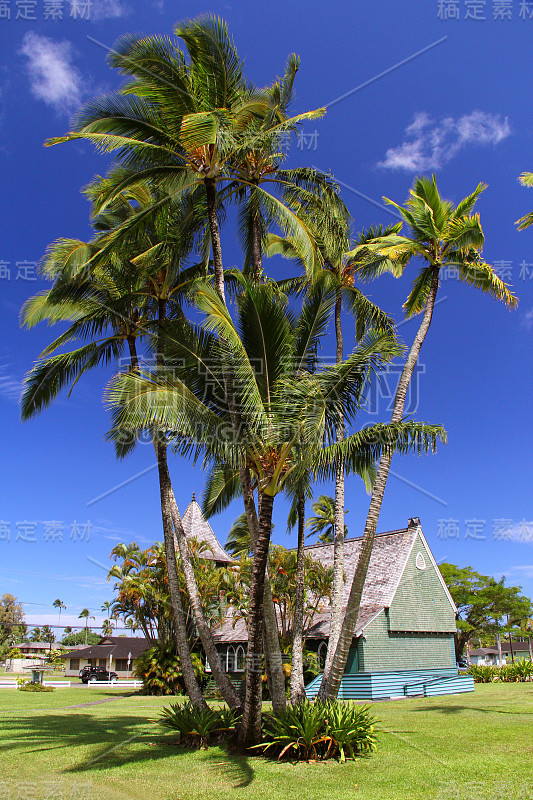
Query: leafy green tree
x,y
72,639
485,607
441,236
12,624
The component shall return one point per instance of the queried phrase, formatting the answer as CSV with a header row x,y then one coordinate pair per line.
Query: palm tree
x,y
36,635
59,604
526,179
336,255
323,522
441,236
188,121
86,615
107,628
121,292
286,407
239,542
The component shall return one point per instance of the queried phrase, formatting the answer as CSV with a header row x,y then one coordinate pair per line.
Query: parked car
x,y
463,665
95,674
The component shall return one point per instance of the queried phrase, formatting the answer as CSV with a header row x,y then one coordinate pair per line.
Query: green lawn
x,y
467,747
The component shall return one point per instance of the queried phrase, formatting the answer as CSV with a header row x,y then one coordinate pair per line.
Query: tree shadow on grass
x,y
113,742
460,709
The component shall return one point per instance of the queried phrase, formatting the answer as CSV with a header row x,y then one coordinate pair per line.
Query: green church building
x,y
403,642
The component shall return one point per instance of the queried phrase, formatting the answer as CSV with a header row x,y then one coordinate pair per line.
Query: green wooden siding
x,y
384,650
416,632
420,603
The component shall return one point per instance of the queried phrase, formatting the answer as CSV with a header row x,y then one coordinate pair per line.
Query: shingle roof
x,y
118,646
518,647
196,526
387,562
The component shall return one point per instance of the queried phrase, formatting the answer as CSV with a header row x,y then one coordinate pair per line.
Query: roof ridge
x,y
355,538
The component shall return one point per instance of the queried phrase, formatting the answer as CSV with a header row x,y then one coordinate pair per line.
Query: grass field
x,y
464,747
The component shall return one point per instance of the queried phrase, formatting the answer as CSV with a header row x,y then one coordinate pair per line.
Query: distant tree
x,y
12,625
59,604
47,634
36,635
323,522
84,614
81,637
107,628
486,607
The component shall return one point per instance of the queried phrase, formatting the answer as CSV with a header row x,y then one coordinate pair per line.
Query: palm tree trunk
x,y
134,360
337,590
257,250
331,679
223,683
191,684
165,488
273,659
211,196
297,687
250,728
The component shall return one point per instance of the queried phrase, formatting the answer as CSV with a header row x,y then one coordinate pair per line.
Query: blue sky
x,y
410,87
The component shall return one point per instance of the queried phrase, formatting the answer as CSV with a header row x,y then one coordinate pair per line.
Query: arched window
x,y
322,654
240,658
230,659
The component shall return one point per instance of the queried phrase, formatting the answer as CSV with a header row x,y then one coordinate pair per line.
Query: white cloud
x,y
53,77
527,319
430,144
10,387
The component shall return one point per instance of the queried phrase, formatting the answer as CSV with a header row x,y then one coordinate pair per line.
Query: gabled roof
x,y
197,527
387,563
117,646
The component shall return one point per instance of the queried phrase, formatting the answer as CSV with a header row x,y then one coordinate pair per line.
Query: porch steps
x,y
403,683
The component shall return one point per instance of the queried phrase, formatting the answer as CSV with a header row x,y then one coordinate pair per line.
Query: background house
x,y
114,653
489,655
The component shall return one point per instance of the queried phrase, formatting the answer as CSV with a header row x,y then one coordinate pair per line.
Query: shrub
x,y
482,673
199,727
308,730
298,730
521,670
159,669
35,687
351,728
524,669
